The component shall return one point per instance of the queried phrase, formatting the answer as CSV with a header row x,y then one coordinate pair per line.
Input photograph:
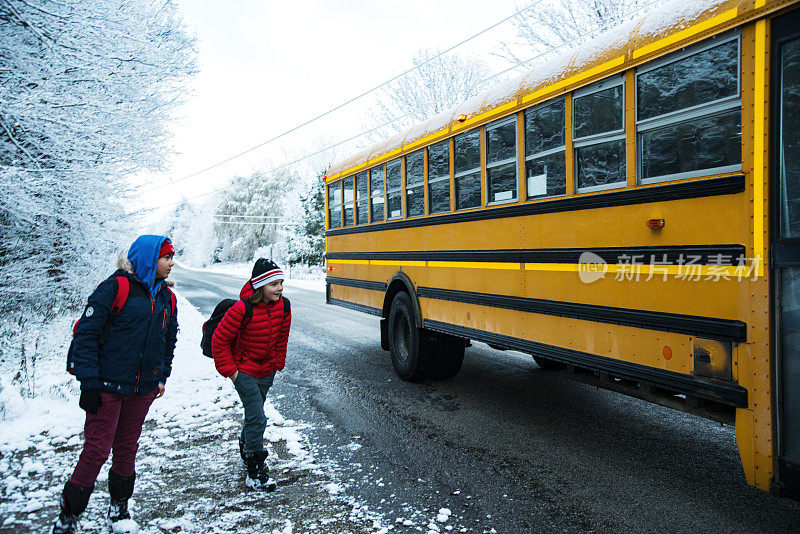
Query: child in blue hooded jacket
x,y
122,362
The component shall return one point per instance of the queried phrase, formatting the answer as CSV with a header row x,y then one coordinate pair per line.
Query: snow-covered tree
x,y
307,237
249,216
86,92
436,86
555,24
191,228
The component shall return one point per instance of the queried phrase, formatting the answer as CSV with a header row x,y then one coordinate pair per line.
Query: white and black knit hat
x,y
264,272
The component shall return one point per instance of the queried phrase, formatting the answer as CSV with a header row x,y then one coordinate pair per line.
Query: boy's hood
x,y
247,290
143,256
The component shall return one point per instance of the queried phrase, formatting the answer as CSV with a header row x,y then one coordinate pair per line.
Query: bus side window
x,y
501,160
376,193
347,185
545,151
599,131
334,205
689,114
468,170
362,189
415,179
439,177
394,189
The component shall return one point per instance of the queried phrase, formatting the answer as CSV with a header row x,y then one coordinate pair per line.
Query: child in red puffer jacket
x,y
249,353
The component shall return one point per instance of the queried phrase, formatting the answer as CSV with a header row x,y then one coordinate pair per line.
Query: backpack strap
x,y
248,314
172,301
123,288
287,307
122,285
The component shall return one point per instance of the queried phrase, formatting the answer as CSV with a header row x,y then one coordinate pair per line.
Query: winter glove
x,y
90,400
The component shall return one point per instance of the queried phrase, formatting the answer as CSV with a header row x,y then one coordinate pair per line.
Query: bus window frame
x,y
420,185
603,137
364,200
338,184
549,151
344,199
515,159
442,178
457,175
708,109
400,190
381,193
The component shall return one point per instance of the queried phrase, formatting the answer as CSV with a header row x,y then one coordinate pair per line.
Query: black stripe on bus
x,y
688,255
726,185
357,307
726,393
708,327
352,282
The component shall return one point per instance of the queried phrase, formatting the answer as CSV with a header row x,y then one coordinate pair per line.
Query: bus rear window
x,y
335,205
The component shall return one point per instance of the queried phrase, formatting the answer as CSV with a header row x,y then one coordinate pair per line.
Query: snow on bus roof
x,y
621,40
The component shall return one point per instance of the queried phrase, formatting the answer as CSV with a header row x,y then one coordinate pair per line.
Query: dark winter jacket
x,y
138,350
259,349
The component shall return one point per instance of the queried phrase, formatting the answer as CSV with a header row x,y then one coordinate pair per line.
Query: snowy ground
x,y
189,475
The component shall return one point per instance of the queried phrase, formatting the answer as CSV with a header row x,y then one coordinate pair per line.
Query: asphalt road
x,y
504,445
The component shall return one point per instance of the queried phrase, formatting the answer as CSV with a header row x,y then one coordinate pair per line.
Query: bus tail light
x,y
331,268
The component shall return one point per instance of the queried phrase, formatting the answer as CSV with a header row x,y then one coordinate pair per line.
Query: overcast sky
x,y
268,66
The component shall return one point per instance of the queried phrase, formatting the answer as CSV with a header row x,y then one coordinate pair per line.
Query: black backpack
x,y
219,312
216,316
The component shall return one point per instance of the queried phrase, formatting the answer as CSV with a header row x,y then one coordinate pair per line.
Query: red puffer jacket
x,y
260,348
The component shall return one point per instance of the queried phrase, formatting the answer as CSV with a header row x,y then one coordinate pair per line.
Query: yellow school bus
x,y
628,213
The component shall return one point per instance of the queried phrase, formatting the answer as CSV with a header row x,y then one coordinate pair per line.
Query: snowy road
x,y
504,445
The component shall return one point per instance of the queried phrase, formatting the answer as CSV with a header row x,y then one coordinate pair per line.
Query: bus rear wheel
x,y
447,356
407,352
418,353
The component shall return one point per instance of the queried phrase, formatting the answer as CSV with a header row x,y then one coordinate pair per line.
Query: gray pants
x,y
253,392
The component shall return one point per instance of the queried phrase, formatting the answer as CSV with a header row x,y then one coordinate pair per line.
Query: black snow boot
x,y
258,473
120,490
73,503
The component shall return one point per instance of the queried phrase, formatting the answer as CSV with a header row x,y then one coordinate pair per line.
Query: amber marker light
x,y
655,224
667,352
462,118
331,267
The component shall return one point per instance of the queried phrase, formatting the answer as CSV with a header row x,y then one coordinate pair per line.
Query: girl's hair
x,y
257,296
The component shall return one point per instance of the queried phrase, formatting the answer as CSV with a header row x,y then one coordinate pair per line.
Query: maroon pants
x,y
116,426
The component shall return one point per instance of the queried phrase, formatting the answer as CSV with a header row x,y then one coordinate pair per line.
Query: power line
x,y
350,101
514,67
218,190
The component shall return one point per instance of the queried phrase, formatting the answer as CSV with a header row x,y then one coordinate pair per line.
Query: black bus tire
x,y
449,356
404,340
